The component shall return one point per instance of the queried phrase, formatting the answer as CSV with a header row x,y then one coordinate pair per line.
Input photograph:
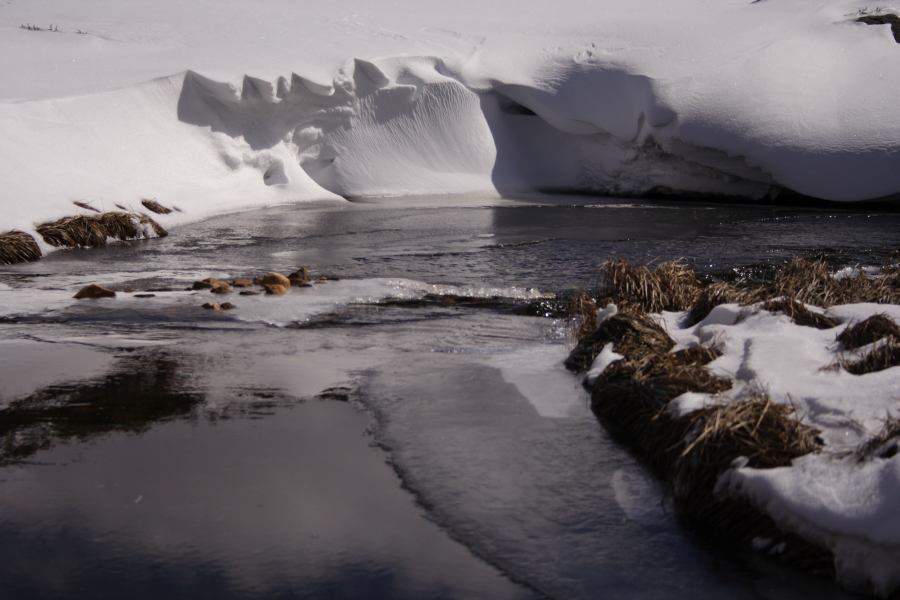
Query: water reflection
x,y
141,388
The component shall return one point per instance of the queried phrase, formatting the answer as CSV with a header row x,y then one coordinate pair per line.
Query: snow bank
x,y
221,105
833,498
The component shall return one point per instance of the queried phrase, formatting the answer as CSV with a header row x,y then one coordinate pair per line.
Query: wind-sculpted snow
x,y
729,98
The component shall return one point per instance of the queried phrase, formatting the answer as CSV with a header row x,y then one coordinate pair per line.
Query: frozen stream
x,y
345,441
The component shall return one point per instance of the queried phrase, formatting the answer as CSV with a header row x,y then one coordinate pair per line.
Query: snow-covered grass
x,y
220,105
841,490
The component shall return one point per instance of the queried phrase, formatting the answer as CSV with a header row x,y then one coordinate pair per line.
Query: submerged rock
x,y
241,282
274,278
94,291
206,284
276,289
219,307
300,278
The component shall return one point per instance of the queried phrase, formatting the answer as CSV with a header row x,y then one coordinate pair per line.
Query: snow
x,y
846,504
606,357
220,105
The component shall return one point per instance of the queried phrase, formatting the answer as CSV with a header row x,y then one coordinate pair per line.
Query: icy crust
x,y
834,498
730,97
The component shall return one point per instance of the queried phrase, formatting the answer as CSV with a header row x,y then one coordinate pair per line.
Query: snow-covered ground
x,y
834,497
216,105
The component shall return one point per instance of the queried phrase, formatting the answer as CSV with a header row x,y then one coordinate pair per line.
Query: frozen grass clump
x,y
92,231
16,247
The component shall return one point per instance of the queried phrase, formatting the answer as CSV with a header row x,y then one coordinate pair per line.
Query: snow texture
x,y
219,105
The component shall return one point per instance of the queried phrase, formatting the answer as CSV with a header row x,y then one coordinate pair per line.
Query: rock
x,y
227,306
300,277
212,306
145,295
94,291
276,289
221,288
207,284
321,279
273,278
241,282
249,293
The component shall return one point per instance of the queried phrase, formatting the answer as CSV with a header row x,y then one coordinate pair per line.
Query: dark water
x,y
329,445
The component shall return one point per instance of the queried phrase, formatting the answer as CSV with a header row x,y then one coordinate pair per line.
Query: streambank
x,y
773,420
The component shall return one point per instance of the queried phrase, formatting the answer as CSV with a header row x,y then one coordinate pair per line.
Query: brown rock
x,y
241,282
273,278
221,288
94,291
249,293
322,279
212,306
276,289
227,306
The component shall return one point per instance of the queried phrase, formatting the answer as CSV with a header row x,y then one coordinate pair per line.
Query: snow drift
x,y
733,98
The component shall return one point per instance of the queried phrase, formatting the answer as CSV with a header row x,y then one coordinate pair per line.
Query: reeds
x,y
671,285
582,314
18,246
675,286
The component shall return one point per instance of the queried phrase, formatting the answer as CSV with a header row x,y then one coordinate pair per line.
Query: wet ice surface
x,y
155,449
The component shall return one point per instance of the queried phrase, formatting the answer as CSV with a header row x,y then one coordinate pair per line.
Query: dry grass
x,y
94,231
722,292
811,282
884,356
154,206
675,286
632,334
765,432
671,285
16,247
582,313
869,331
800,314
85,205
884,445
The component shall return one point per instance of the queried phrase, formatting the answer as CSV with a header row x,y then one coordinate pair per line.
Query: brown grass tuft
x,y
18,246
719,293
884,356
765,432
799,314
869,331
154,206
633,334
672,285
93,231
